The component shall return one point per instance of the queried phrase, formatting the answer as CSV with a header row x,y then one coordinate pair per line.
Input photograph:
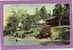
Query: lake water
x,y
29,42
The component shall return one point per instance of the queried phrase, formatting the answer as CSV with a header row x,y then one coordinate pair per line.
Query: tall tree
x,y
62,12
43,13
66,13
36,16
58,12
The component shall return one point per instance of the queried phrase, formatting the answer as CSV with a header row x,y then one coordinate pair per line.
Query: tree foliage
x,y
12,23
43,13
61,11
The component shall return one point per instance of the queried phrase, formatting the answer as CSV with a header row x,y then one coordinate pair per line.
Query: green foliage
x,y
66,10
61,11
59,30
28,20
43,13
58,11
12,25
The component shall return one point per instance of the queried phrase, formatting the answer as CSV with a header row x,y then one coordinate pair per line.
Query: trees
x,y
58,12
12,23
66,8
43,13
66,14
62,12
28,20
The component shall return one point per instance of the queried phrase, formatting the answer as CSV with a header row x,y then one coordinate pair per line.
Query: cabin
x,y
53,21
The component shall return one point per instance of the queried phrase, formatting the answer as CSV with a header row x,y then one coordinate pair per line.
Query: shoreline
x,y
33,38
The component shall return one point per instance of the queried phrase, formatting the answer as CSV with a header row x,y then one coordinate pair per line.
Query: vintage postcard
x,y
36,24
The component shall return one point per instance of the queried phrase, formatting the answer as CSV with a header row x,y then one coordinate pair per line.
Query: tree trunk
x,y
60,20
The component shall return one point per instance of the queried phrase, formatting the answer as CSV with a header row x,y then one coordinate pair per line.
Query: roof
x,y
51,17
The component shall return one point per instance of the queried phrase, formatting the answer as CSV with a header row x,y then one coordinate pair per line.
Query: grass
x,y
56,31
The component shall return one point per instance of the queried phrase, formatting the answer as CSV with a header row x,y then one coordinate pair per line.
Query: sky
x,y
30,8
